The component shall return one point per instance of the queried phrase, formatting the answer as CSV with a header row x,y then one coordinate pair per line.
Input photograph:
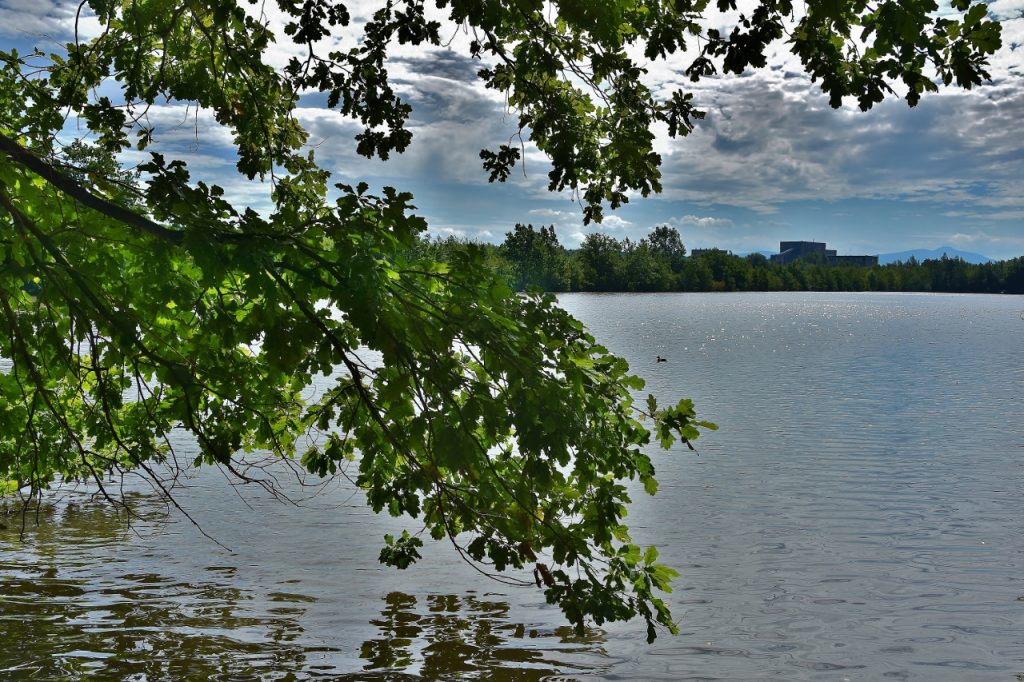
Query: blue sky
x,y
771,161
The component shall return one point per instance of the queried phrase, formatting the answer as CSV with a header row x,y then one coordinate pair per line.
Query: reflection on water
x,y
857,517
446,635
148,627
65,612
73,604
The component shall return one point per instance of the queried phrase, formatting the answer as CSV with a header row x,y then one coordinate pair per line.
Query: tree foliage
x,y
131,307
538,259
607,264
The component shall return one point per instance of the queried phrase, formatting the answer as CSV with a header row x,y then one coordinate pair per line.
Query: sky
x,y
770,162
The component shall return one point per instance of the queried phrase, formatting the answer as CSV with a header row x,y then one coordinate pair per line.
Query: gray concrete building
x,y
791,251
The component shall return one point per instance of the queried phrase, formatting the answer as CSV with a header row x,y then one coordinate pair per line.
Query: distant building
x,y
862,261
791,251
701,252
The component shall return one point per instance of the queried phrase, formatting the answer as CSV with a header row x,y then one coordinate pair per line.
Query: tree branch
x,y
68,186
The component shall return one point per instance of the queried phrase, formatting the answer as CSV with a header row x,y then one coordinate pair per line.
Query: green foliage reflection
x,y
447,636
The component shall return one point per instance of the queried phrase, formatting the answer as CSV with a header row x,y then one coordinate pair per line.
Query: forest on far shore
x,y
534,258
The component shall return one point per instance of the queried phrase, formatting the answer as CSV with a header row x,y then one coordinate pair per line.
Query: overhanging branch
x,y
73,189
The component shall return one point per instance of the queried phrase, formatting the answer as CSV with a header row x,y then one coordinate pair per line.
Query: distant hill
x,y
932,254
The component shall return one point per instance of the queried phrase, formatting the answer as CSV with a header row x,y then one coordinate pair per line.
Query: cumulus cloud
x,y
614,222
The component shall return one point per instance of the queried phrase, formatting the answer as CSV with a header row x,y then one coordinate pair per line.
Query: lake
x,y
857,517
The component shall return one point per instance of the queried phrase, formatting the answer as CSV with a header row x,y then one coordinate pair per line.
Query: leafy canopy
x,y
136,302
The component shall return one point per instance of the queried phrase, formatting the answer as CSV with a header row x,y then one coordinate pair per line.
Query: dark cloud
x,y
736,145
446,64
766,142
436,99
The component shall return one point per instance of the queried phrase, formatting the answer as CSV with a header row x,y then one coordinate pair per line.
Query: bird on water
x,y
658,358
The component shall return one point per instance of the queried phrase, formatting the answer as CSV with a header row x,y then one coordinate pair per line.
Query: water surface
x,y
857,517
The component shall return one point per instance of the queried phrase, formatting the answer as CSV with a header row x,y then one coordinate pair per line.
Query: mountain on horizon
x,y
932,254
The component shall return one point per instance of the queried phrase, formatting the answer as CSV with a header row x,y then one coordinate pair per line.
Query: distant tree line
x,y
534,258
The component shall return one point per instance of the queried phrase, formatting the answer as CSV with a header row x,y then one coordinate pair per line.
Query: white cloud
x,y
983,240
555,215
464,232
574,239
614,222
35,18
700,221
